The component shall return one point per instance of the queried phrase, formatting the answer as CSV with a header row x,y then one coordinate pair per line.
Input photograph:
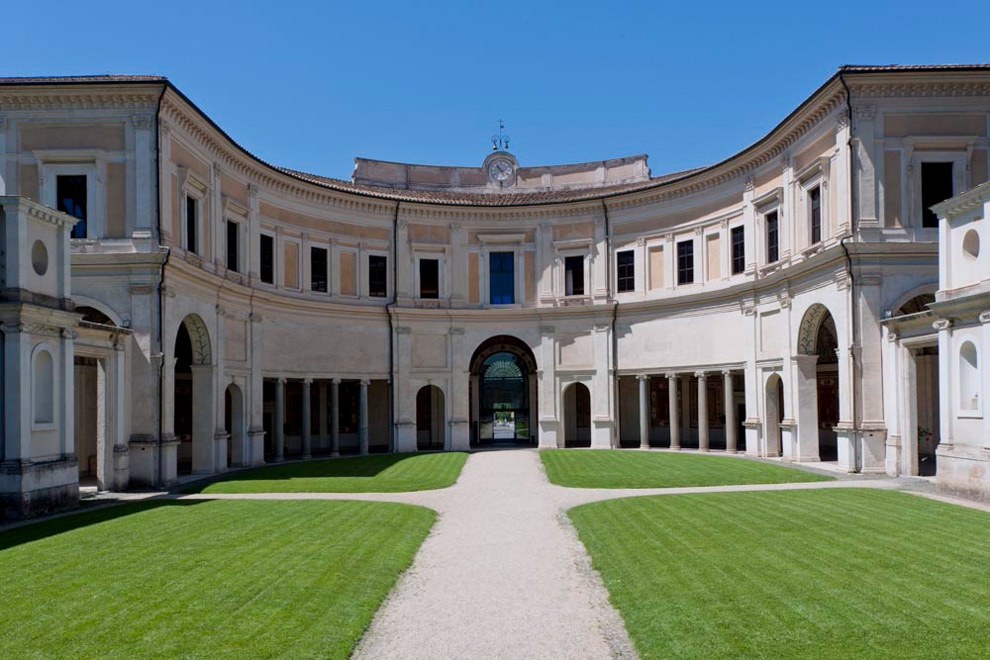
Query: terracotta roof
x,y
869,68
526,198
102,78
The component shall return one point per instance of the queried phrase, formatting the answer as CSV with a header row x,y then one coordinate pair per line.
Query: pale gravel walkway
x,y
503,574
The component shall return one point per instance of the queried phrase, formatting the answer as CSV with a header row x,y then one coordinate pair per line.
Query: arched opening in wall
x,y
233,416
93,403
43,379
193,398
503,392
429,418
577,415
916,304
818,387
969,378
775,415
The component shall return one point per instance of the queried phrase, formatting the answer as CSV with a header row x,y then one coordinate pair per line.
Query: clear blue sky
x,y
310,85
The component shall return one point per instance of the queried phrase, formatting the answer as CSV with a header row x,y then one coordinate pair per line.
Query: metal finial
x,y
500,141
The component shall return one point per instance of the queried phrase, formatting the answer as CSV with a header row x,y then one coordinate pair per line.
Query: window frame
x,y
628,277
677,266
299,263
189,194
262,234
813,191
239,251
733,269
436,259
48,173
490,273
960,182
312,270
581,258
366,267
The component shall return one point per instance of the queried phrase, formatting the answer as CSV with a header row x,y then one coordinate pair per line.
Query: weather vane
x,y
500,141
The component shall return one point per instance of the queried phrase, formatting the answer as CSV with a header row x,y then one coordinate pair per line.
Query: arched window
x,y
44,387
969,377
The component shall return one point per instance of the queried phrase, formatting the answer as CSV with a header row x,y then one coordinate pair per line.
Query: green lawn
x,y
831,574
210,579
380,473
610,468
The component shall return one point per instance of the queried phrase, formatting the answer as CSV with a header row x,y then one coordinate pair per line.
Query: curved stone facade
x,y
272,313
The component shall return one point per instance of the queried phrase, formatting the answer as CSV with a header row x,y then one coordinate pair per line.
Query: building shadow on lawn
x,y
60,524
361,467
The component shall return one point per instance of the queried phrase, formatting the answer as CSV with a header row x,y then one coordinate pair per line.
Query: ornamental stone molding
x,y
984,317
942,324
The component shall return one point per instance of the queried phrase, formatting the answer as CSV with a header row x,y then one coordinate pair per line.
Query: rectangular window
x,y
773,237
429,278
501,278
936,186
267,259
377,276
318,269
191,208
71,193
685,262
574,276
815,213
738,235
233,238
626,271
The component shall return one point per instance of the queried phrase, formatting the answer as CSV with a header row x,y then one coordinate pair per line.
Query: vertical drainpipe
x,y
391,329
161,280
614,343
849,269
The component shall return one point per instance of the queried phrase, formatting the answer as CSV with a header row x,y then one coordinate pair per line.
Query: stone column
x,y
703,443
321,393
644,412
280,419
307,416
335,417
675,424
363,417
731,441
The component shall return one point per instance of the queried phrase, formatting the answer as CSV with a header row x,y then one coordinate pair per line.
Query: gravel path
x,y
503,574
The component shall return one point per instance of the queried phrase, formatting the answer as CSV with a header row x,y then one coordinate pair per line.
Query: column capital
x,y
307,381
281,380
335,381
726,372
365,382
701,375
642,376
671,375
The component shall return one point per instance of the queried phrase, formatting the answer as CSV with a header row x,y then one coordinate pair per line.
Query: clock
x,y
500,169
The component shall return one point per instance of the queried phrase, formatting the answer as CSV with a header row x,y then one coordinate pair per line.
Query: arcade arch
x,y
503,393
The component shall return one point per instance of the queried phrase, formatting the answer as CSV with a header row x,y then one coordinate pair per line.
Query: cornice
x,y
918,89
84,99
176,115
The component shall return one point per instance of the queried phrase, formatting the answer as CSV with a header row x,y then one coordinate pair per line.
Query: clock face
x,y
500,170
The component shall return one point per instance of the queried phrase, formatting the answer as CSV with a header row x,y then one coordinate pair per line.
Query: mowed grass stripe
x,y
380,473
210,579
831,574
609,468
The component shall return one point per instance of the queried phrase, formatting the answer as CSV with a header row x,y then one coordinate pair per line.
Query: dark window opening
x,y
267,259
190,223
738,250
377,276
685,262
626,273
574,276
815,208
318,269
71,193
773,242
936,186
233,236
429,278
501,278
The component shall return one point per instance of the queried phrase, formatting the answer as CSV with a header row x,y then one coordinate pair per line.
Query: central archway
x,y
503,392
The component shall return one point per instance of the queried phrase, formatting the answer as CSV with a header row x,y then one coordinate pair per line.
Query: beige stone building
x,y
227,312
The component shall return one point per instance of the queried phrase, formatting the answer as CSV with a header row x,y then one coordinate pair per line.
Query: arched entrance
x,y
430,418
233,416
503,392
818,386
193,402
577,415
774,415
